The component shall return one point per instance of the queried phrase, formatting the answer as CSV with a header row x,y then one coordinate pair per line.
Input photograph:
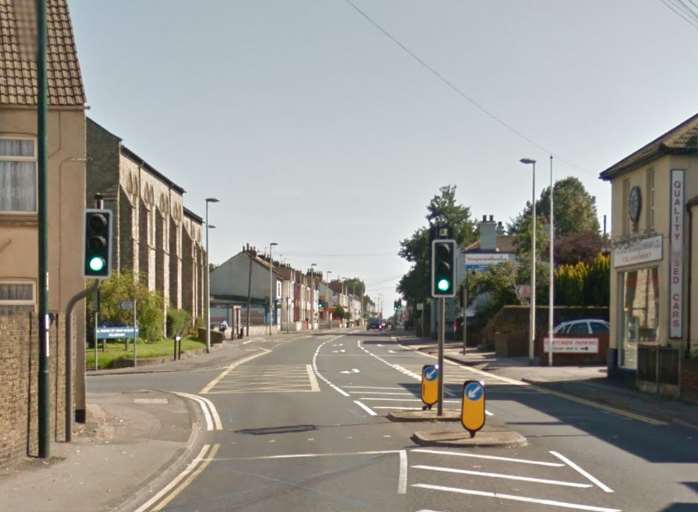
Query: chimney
x,y
488,234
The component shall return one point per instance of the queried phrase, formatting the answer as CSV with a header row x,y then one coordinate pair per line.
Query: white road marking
x,y
185,472
502,476
211,424
392,365
230,368
204,463
510,497
404,393
355,370
322,377
214,413
402,474
405,400
251,340
314,386
151,401
371,387
365,408
585,474
488,413
488,457
396,408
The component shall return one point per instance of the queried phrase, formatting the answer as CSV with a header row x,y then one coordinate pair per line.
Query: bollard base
x,y
428,415
484,438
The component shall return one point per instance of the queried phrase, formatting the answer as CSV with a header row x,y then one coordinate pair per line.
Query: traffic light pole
x,y
442,331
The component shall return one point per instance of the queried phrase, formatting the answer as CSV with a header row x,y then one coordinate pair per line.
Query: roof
x,y
192,215
152,170
680,140
17,64
505,243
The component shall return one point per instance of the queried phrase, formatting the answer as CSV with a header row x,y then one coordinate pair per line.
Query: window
x,y
151,226
640,302
598,327
578,328
17,175
16,293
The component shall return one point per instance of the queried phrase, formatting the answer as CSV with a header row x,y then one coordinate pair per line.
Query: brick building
x,y
155,236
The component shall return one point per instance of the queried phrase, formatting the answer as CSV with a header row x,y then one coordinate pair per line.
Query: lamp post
x,y
551,290
271,285
312,296
208,281
329,294
532,300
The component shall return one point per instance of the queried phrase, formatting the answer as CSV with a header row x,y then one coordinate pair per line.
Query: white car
x,y
584,326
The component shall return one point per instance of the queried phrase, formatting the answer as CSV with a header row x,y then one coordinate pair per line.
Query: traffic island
x,y
487,437
428,415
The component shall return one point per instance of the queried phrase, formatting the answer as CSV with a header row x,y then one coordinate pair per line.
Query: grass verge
x,y
116,354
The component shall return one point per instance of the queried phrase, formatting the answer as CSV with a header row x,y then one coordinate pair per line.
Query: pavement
x,y
584,382
298,423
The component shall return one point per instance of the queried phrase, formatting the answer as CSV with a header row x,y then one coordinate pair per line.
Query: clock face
x,y
635,204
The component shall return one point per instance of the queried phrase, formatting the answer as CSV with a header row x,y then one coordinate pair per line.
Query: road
x,y
298,423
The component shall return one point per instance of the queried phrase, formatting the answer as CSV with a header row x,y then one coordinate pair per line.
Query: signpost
x,y
572,345
430,386
117,332
473,406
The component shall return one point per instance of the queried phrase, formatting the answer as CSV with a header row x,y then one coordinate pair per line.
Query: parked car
x,y
582,326
374,323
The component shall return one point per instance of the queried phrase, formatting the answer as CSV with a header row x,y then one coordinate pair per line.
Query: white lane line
x,y
186,471
585,474
488,413
311,455
204,464
320,375
402,474
510,497
405,393
387,363
365,408
372,387
489,457
314,386
251,340
502,476
404,400
204,408
230,368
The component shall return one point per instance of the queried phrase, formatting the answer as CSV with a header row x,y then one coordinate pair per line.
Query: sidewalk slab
x,y
129,444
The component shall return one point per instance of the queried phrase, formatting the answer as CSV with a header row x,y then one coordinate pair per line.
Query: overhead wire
x,y
676,10
458,90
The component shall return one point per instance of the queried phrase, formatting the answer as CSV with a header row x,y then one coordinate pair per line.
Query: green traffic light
x,y
97,264
443,285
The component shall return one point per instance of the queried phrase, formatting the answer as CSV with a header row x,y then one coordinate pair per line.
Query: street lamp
x,y
312,296
551,290
532,300
329,293
271,285
208,280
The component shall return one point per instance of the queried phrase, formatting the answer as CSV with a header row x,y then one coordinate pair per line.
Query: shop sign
x,y
572,345
481,261
638,251
676,240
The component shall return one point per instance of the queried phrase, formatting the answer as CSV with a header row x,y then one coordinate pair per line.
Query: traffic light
x,y
97,247
443,268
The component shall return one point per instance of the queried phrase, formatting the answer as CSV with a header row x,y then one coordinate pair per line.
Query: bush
x,y
178,322
584,284
126,286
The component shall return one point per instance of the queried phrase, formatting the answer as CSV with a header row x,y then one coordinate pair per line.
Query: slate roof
x,y
17,66
505,244
680,140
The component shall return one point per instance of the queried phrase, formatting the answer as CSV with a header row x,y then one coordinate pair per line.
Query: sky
x,y
318,132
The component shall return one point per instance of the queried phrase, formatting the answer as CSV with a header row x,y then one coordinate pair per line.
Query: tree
x,y
498,282
339,312
443,208
575,209
355,286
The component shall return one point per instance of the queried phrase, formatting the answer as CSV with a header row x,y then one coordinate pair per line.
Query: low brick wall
x,y
19,351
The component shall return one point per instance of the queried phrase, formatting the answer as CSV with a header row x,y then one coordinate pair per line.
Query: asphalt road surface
x,y
298,424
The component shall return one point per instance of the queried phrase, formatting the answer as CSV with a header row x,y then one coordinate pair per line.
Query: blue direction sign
x,y
430,385
115,332
473,406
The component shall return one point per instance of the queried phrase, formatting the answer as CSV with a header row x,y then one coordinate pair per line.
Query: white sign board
x,y
676,226
637,252
481,260
572,345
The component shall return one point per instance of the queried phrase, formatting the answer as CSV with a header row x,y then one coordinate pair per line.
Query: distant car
x,y
374,324
583,326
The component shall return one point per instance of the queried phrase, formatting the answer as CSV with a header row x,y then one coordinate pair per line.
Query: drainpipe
x,y
690,278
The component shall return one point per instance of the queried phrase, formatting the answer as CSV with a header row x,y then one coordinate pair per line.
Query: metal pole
x,y
271,286
465,312
42,100
551,291
249,294
135,336
208,291
68,418
532,302
441,327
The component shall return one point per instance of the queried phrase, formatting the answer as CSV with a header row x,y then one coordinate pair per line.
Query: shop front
x,y
651,340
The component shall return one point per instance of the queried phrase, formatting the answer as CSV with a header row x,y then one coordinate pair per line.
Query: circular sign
x,y
431,373
635,203
474,391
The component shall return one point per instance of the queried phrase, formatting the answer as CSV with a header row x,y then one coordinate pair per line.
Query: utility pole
x,y
42,136
208,280
532,300
465,311
249,291
551,290
271,286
